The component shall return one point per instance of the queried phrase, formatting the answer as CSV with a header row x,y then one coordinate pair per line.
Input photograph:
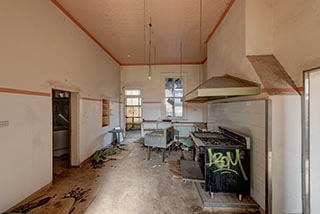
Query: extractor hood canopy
x,y
222,87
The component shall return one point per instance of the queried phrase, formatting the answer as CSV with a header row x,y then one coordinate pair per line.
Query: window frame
x,y
184,86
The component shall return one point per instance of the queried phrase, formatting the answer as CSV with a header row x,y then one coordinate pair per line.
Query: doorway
x,y
311,142
133,109
61,115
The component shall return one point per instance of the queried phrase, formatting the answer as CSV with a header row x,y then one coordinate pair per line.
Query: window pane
x,y
133,111
169,87
133,101
137,120
178,83
135,92
169,93
169,83
169,107
178,92
178,107
129,120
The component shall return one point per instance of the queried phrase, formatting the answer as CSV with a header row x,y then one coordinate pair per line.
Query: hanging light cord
x,y
154,55
181,60
144,29
200,33
150,26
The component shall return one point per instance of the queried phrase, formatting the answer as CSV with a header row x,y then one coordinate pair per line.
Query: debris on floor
x,y
61,206
100,156
78,194
174,168
118,156
155,166
31,205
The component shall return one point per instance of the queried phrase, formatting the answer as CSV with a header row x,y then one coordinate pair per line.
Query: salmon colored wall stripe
x,y
151,102
83,29
25,92
220,20
91,99
204,61
169,63
281,90
301,89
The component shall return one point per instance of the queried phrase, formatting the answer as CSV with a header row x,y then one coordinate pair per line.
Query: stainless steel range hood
x,y
222,87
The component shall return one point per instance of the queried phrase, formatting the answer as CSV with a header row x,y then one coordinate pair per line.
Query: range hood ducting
x,y
222,87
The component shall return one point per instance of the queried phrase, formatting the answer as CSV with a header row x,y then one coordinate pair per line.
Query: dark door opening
x,y
61,131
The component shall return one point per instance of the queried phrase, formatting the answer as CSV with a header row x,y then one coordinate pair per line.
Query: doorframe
x,y
75,129
268,157
74,133
305,143
125,105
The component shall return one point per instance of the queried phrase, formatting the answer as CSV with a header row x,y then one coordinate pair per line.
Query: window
x,y
173,97
133,109
132,92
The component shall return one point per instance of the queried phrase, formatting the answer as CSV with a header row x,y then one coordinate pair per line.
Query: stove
x,y
222,138
224,159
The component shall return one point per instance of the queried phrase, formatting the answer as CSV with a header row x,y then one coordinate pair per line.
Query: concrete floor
x,y
144,186
133,185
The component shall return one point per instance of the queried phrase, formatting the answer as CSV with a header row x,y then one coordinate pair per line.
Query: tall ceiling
x,y
121,27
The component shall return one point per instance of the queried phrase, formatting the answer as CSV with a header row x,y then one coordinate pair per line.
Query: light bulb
x,y
149,77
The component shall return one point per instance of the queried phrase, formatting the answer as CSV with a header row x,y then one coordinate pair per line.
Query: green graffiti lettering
x,y
224,162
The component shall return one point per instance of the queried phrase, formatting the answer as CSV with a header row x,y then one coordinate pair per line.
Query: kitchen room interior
x,y
148,106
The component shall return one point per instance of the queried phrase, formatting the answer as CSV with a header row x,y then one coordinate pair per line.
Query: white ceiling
x,y
120,27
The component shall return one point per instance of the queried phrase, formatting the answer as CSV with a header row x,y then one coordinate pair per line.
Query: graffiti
x,y
223,162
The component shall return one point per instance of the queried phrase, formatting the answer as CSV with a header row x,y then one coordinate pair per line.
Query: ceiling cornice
x,y
220,20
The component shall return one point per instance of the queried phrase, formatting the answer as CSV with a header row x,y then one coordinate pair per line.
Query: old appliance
x,y
224,158
161,138
222,87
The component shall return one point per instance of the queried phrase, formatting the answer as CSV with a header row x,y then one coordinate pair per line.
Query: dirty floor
x,y
133,185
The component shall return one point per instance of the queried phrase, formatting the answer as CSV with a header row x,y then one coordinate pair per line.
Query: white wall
x,y
258,26
26,146
296,35
286,154
247,118
152,91
227,47
314,141
92,136
42,49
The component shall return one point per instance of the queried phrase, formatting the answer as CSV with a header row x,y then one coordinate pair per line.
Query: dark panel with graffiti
x,y
227,170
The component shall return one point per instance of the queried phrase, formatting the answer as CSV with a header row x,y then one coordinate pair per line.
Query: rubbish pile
x,y
100,156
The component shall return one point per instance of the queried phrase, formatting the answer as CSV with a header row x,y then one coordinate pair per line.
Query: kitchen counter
x,y
184,128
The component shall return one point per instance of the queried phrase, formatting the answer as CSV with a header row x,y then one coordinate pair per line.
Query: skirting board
x,y
31,197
